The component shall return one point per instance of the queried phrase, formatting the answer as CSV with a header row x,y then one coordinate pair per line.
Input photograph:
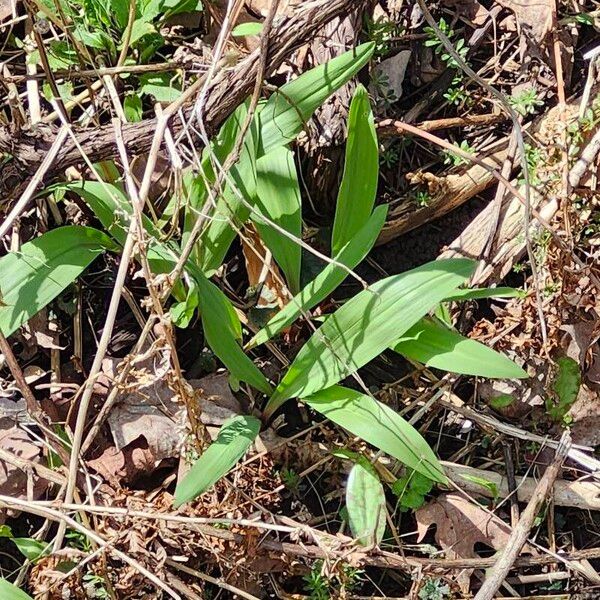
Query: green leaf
x,y
484,483
160,86
247,29
42,269
132,107
327,280
111,206
120,10
9,592
501,401
140,28
183,312
365,501
32,549
565,388
481,293
278,198
378,425
435,345
358,188
286,112
222,329
366,325
231,444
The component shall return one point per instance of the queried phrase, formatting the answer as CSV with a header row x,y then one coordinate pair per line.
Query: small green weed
x,y
382,32
411,490
316,584
290,479
526,102
451,158
457,94
434,589
389,155
422,198
434,42
95,587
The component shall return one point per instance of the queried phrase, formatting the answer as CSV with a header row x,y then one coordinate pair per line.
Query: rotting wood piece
x,y
446,194
227,90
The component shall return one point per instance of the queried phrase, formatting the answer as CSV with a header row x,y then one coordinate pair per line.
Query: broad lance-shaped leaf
x,y
10,592
366,325
234,439
379,425
365,501
222,330
278,198
435,345
286,112
43,268
327,280
361,172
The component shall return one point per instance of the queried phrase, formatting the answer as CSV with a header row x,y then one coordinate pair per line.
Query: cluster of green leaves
x,y
457,93
343,581
582,127
454,159
263,188
382,32
526,102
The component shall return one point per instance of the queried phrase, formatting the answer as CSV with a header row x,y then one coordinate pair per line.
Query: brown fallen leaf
x,y
13,481
534,17
127,464
585,417
470,9
460,525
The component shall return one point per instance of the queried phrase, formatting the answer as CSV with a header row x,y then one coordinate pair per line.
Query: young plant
x,y
436,43
382,316
526,102
454,159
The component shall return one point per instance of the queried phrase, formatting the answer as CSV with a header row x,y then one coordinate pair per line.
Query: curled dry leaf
x,y
264,276
471,9
13,481
534,17
460,525
124,465
149,422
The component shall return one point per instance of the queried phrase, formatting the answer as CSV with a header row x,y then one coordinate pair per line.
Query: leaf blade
x,y
10,592
222,329
286,111
358,188
327,280
234,439
365,501
435,345
366,325
378,425
278,198
43,268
